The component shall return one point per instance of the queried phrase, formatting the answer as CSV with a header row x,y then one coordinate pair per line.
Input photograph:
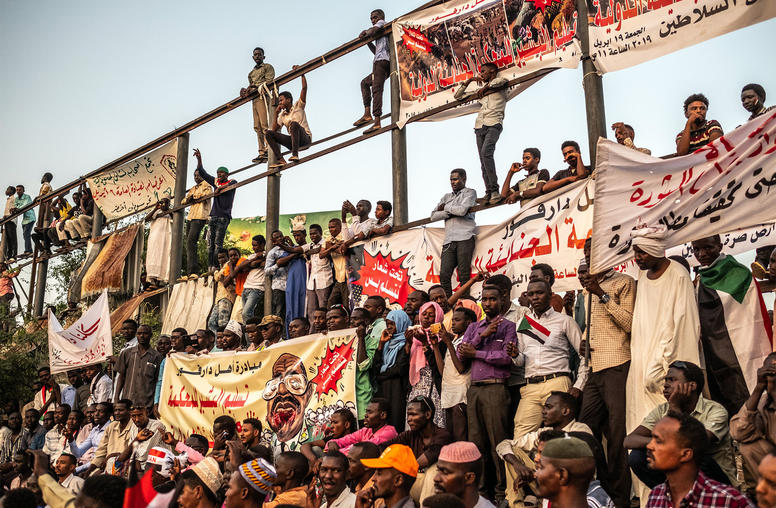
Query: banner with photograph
x,y
722,186
629,32
438,48
136,185
85,342
316,373
242,230
550,229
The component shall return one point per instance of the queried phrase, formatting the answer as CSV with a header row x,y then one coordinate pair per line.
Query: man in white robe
x,y
665,324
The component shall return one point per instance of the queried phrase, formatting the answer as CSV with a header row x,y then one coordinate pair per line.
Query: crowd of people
x,y
624,389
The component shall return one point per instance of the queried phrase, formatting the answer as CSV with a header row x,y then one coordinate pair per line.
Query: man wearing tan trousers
x,y
262,73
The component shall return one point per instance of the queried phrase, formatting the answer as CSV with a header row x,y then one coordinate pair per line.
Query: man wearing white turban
x,y
665,324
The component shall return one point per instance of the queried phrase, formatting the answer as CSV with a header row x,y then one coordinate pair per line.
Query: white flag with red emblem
x,y
85,342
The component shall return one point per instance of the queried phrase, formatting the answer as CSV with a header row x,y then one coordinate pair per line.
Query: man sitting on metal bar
x,y
293,116
576,170
372,85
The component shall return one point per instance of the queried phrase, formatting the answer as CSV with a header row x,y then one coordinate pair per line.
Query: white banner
x,y
438,48
722,186
629,32
86,342
551,229
736,242
136,185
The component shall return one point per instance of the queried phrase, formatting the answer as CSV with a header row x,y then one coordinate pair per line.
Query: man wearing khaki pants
x,y
262,73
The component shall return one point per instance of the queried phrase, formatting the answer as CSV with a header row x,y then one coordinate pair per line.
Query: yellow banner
x,y
292,387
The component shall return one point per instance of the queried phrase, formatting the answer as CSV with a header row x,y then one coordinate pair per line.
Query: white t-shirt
x,y
296,114
255,279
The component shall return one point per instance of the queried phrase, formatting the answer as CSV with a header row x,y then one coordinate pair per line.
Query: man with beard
x,y
414,301
287,395
138,369
64,467
394,474
250,437
291,469
115,439
333,475
459,472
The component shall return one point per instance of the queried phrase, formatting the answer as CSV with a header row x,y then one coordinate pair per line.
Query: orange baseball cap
x,y
398,457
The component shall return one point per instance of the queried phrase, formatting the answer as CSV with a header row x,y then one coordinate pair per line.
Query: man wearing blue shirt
x,y
372,85
28,219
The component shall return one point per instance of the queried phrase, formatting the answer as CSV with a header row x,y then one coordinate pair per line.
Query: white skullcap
x,y
234,327
650,239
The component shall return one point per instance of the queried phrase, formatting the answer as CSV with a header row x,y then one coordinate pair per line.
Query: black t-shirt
x,y
565,173
540,176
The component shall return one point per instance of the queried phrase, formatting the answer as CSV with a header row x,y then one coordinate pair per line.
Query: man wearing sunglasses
x,y
287,395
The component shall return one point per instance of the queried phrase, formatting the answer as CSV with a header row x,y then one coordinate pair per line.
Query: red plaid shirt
x,y
704,492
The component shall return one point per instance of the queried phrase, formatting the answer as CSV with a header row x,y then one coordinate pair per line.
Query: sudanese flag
x,y
736,332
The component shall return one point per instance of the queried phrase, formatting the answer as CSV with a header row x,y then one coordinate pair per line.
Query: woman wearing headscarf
x,y
391,364
426,357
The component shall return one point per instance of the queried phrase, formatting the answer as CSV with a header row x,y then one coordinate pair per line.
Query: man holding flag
x,y
735,330
543,338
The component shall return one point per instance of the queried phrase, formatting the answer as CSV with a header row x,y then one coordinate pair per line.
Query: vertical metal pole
x,y
398,147
181,172
40,287
3,240
137,263
273,211
98,221
592,84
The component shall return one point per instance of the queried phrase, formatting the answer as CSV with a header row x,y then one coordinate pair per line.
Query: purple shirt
x,y
491,360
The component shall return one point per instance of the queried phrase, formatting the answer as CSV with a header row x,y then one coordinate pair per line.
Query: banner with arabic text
x,y
722,186
551,229
629,32
85,342
136,185
440,47
293,386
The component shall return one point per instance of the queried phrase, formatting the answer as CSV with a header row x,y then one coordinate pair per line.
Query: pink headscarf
x,y
471,305
417,356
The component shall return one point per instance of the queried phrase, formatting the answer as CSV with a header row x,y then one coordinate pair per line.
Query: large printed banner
x,y
440,47
242,230
136,185
293,386
722,186
629,32
551,229
85,342
735,242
